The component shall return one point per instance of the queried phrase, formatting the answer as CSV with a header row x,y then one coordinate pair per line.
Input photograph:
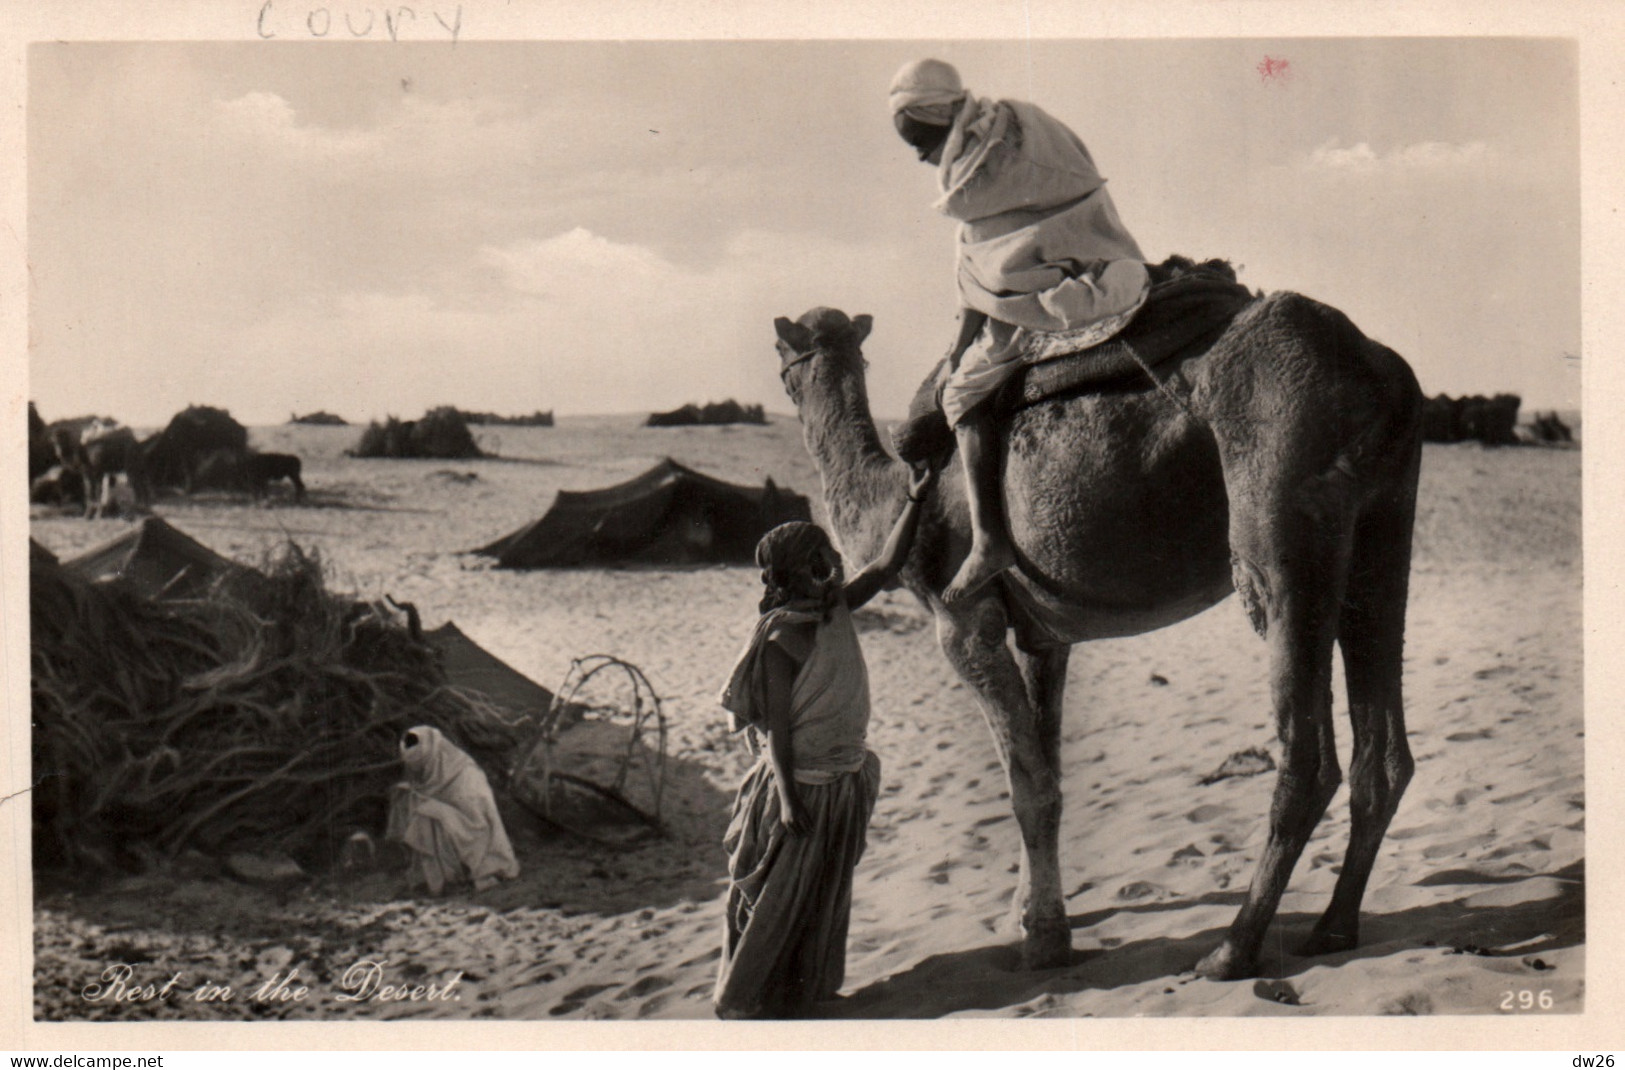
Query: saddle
x,y
1188,307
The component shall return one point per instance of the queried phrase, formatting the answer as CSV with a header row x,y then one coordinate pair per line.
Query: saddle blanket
x,y
1189,305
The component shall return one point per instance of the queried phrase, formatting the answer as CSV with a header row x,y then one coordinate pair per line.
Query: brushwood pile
x,y
263,716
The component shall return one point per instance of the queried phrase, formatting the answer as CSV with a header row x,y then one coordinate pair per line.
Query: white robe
x,y
445,814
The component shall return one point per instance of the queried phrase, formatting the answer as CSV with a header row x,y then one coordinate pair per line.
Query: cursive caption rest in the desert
x,y
367,981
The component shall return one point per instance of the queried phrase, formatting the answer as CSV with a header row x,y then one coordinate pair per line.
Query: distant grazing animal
x,y
245,471
266,468
97,455
1280,461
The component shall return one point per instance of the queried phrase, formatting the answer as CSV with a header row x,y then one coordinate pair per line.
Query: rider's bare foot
x,y
984,564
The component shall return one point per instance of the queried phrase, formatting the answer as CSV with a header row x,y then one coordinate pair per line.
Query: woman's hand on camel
x,y
921,480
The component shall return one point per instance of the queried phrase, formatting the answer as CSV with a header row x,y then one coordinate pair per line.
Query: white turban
x,y
927,90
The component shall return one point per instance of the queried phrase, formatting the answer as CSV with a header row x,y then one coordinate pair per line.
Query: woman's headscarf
x,y
800,568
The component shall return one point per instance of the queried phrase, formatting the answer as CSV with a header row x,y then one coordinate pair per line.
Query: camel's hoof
x,y
1225,963
1325,942
1047,947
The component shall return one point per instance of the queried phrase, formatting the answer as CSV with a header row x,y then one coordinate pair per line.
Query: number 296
x,y
1527,1000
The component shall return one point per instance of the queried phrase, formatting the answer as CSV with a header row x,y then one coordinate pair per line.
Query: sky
x,y
374,229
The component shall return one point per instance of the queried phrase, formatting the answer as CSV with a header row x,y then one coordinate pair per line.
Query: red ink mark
x,y
1272,69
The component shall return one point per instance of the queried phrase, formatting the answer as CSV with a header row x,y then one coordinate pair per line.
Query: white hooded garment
x,y
445,814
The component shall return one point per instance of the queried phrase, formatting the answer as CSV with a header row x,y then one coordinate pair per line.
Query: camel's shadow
x,y
991,978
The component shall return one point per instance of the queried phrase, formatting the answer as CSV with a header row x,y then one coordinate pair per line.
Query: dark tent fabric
x,y
157,560
38,553
669,515
473,668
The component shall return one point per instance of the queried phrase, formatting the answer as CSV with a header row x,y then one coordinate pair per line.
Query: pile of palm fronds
x,y
265,716
440,432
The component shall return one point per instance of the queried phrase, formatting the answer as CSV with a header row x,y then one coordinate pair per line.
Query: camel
x,y
97,454
1280,463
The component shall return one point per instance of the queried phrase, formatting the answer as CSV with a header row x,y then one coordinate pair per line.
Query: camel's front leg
x,y
1027,738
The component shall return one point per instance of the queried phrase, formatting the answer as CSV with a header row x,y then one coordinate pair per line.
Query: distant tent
x,y
157,560
474,668
669,515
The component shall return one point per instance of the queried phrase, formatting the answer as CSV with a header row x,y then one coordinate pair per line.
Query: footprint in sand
x,y
1137,891
1411,1003
654,1006
1518,849
1456,848
574,1000
1207,812
700,960
645,987
1278,992
1190,855
938,874
1468,737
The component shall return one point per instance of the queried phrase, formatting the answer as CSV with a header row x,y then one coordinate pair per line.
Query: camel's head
x,y
823,338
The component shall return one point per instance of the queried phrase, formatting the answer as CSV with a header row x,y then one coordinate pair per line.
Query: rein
x,y
785,366
815,351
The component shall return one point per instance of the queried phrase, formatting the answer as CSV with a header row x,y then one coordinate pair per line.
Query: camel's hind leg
x,y
1027,736
1371,636
1290,571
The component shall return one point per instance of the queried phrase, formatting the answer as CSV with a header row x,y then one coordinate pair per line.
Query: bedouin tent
x,y
474,668
158,560
669,515
39,553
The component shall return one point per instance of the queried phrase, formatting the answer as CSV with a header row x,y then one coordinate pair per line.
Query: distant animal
x,y
246,472
1279,461
266,468
97,455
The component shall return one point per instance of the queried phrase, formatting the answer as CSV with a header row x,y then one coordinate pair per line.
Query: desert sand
x,y
1477,898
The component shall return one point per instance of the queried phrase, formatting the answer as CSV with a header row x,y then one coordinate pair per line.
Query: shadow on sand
x,y
991,978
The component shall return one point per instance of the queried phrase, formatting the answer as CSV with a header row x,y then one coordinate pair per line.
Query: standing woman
x,y
1044,265
802,814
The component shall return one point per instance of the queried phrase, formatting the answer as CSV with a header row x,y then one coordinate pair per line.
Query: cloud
x,y
577,322
1417,157
580,262
267,119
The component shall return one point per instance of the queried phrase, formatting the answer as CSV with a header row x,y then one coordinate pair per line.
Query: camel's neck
x,y
863,484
